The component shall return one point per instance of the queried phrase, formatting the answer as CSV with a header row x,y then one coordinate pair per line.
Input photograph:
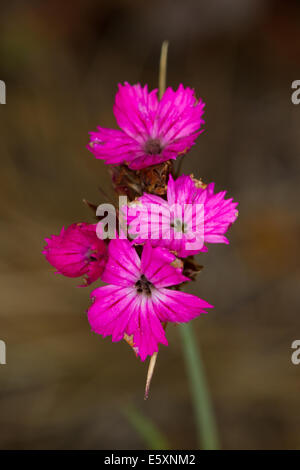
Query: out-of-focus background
x,y
64,387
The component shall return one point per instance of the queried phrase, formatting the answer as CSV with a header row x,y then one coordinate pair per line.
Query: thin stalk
x,y
151,368
162,76
150,374
204,414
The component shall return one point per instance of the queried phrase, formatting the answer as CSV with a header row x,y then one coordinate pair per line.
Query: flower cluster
x,y
144,272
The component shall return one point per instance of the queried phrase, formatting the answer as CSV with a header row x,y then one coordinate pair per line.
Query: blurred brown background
x,y
64,387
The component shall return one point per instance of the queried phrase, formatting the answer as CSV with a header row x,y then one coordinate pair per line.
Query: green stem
x,y
205,419
152,436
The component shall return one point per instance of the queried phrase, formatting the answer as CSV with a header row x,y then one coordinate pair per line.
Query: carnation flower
x,y
137,300
77,251
152,131
180,227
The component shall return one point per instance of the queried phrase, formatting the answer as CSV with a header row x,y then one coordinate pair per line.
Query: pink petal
x,y
135,110
156,265
119,310
179,114
150,333
176,306
114,146
111,310
123,266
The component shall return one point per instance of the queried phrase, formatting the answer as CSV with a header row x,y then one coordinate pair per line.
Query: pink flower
x,y
137,299
180,228
77,251
153,131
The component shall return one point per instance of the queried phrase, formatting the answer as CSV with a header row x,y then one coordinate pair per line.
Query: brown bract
x,y
198,183
130,183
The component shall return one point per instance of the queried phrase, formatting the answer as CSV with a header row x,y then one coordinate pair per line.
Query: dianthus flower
x,y
152,131
176,223
138,299
77,251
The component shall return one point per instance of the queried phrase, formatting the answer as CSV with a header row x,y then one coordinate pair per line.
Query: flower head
x,y
152,131
180,227
137,300
77,251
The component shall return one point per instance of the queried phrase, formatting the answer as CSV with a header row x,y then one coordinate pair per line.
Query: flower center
x,y
179,226
90,255
143,286
153,147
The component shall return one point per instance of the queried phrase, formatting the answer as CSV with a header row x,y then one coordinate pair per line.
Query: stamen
x,y
179,226
90,255
153,147
143,286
